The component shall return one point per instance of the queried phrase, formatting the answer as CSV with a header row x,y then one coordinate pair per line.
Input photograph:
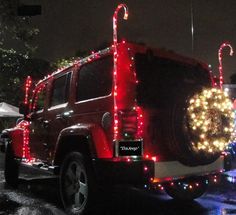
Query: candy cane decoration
x,y
125,17
220,60
115,20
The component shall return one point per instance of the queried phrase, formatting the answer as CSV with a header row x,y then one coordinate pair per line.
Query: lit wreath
x,y
211,120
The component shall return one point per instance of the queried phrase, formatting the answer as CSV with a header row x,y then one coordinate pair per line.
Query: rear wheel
x,y
76,184
186,190
11,168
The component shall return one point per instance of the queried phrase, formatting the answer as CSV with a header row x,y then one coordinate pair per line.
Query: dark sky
x,y
70,25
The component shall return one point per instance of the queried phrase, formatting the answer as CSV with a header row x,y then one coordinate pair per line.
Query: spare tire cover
x,y
201,127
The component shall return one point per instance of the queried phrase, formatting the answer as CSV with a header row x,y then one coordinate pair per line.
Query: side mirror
x,y
24,109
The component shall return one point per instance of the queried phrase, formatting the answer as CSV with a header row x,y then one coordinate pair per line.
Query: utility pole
x,y
192,25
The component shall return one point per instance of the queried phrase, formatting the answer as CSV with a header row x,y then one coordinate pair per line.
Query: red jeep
x,y
155,120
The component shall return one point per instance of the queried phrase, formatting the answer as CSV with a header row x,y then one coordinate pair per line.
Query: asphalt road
x,y
41,197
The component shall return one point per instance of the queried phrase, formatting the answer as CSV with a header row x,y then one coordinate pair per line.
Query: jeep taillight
x,y
140,120
131,123
128,124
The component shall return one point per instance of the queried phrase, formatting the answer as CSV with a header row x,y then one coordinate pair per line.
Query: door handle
x,y
65,115
45,123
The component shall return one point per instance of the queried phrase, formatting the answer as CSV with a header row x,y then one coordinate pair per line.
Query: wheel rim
x,y
76,186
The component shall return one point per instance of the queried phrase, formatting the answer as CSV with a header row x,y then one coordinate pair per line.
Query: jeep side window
x,y
60,90
39,98
95,79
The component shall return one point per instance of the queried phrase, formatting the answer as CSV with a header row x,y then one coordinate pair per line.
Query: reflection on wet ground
x,y
7,205
41,197
37,197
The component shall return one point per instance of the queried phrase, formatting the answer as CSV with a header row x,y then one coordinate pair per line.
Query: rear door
x,y
59,112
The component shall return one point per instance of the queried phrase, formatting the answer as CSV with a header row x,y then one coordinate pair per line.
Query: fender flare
x,y
98,144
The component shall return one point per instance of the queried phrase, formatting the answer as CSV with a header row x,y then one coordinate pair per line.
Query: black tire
x,y
174,133
181,191
11,171
181,135
77,188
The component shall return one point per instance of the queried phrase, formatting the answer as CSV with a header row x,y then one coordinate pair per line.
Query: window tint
x,y
60,90
39,98
95,79
163,81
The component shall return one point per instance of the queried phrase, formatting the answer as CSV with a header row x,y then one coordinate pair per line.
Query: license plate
x,y
130,148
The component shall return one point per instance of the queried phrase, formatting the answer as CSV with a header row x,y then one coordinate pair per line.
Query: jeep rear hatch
x,y
163,80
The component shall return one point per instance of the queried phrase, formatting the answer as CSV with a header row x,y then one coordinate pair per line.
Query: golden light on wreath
x,y
211,120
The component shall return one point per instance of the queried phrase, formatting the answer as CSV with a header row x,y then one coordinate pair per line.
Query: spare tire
x,y
200,127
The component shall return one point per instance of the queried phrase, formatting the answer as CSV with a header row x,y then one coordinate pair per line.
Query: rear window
x,y
162,81
95,79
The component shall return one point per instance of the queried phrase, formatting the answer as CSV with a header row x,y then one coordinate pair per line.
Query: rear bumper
x,y
124,172
147,171
166,171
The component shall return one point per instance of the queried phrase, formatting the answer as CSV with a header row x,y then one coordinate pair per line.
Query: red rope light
x,y
225,44
27,88
115,56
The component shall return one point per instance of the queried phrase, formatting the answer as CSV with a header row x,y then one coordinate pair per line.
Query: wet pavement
x,y
41,197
